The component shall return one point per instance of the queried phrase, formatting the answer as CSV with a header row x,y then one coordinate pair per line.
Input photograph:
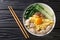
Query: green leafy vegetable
x,y
40,9
37,8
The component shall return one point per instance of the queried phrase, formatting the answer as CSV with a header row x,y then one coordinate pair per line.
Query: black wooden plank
x,y
6,19
10,34
15,33
23,4
16,3
54,0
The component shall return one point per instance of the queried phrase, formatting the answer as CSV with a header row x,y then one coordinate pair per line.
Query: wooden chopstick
x,y
18,22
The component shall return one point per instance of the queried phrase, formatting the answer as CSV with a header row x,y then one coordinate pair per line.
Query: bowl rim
x,y
52,26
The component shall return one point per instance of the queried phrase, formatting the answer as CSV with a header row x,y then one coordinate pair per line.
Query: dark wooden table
x,y
8,27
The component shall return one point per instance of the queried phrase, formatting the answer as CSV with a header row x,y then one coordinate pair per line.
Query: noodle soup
x,y
39,19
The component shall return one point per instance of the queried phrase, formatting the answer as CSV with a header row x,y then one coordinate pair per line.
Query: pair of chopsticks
x,y
18,22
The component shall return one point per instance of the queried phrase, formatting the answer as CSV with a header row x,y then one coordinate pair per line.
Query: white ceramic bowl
x,y
54,18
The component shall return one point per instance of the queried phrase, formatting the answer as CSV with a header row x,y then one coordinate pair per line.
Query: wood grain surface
x,y
8,27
